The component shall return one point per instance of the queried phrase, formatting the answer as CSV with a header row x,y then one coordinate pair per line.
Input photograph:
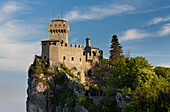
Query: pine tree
x,y
116,49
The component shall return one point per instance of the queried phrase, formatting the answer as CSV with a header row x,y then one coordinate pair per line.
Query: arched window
x,y
51,31
64,31
72,58
54,31
64,58
80,59
61,31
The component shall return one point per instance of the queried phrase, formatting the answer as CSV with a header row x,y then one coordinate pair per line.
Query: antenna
x,y
62,10
53,13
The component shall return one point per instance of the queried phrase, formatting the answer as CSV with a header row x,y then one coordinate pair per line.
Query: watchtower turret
x,y
59,30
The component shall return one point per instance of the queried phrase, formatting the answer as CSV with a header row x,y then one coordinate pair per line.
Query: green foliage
x,y
71,104
133,71
126,91
118,70
161,71
75,68
151,93
107,105
87,103
81,100
67,97
79,73
87,87
116,48
105,61
68,71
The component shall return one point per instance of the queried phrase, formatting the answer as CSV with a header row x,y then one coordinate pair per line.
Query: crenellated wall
x,y
56,50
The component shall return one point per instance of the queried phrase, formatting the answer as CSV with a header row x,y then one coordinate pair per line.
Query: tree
x,y
133,71
161,71
151,93
116,48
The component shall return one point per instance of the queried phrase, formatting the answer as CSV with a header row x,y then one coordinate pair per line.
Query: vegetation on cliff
x,y
148,87
143,87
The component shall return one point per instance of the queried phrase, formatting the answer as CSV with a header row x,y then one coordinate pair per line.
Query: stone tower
x,y
59,30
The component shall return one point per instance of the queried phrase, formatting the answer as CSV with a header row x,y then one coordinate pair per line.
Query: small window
x,y
63,24
49,43
55,25
51,31
80,59
44,57
59,24
64,58
72,58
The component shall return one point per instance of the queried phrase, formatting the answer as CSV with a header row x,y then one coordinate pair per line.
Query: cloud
x,y
151,55
18,38
96,12
158,20
17,54
133,34
11,6
165,30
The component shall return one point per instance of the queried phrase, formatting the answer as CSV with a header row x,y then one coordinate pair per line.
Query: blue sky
x,y
143,26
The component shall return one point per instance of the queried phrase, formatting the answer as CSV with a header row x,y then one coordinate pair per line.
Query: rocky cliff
x,y
51,89
54,89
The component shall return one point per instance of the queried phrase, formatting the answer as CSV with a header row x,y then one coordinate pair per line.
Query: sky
x,y
142,26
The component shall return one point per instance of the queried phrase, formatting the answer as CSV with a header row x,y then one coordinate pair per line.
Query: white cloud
x,y
17,54
158,20
133,34
165,30
97,12
11,6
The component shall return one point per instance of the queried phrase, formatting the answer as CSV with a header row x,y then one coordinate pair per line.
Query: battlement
x,y
61,44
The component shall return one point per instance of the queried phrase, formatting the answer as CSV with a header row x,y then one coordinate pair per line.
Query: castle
x,y
57,50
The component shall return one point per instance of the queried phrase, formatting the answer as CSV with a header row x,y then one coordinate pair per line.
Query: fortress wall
x,y
45,51
54,52
73,57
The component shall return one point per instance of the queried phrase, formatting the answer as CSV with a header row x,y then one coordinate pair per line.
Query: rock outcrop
x,y
51,89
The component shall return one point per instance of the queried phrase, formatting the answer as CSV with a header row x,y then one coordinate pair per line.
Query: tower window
x,y
63,24
64,58
64,31
59,24
44,57
51,31
72,58
55,25
80,59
